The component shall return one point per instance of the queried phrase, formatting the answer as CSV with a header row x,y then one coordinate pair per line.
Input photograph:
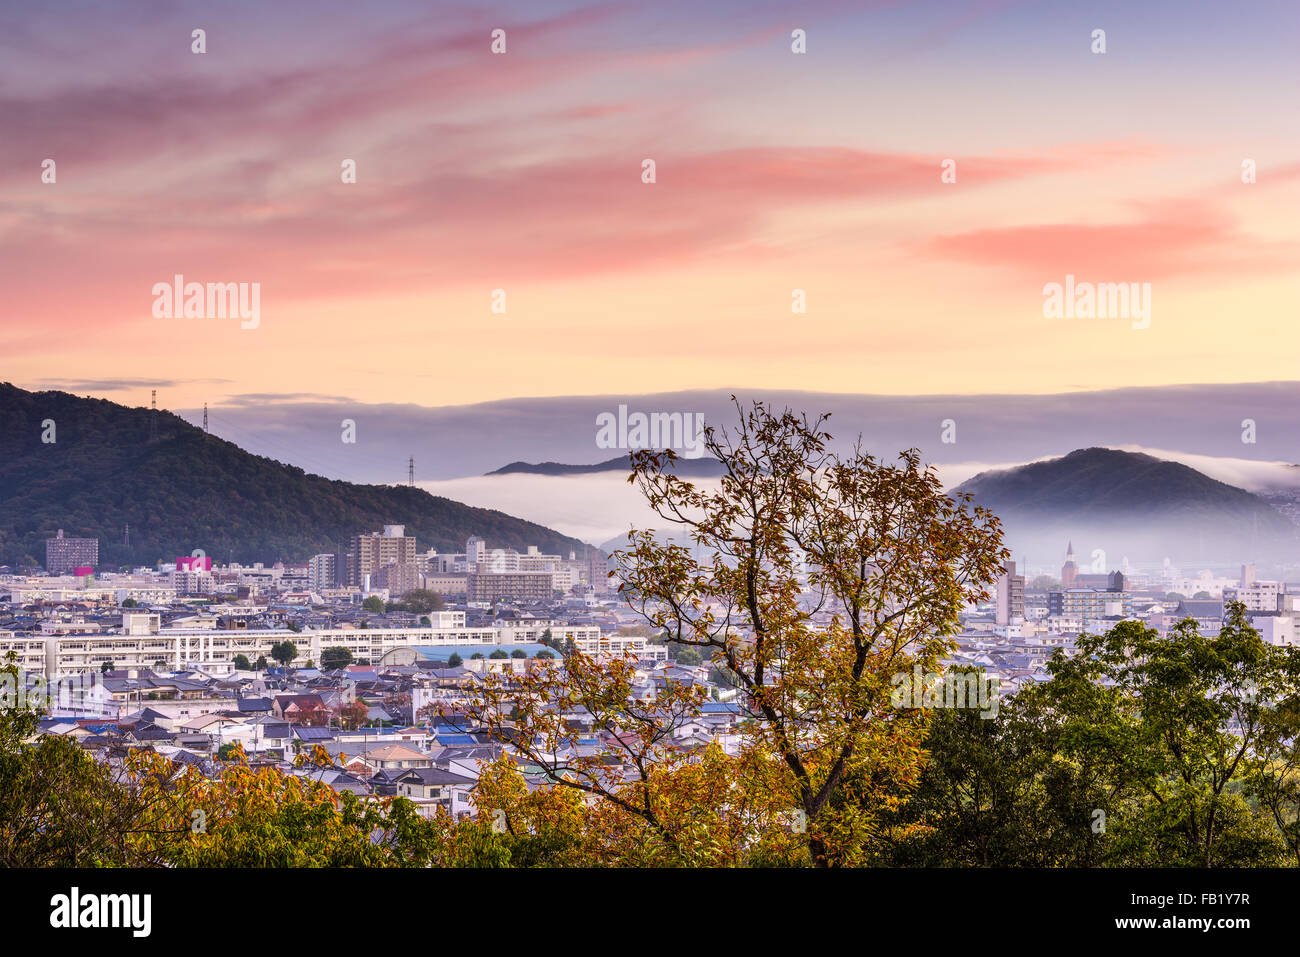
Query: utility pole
x,y
205,417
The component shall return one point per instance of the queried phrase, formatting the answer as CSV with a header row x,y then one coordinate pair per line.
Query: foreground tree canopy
x,y
813,581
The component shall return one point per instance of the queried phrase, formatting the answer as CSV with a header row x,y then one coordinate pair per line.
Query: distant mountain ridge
x,y
1133,503
191,490
692,468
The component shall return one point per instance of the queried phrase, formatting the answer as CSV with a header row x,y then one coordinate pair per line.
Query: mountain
x,y
1134,505
191,490
686,468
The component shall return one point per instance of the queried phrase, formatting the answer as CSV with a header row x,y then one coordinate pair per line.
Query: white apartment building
x,y
1257,596
142,643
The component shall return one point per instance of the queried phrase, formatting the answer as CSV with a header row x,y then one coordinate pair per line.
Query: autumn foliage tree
x,y
815,577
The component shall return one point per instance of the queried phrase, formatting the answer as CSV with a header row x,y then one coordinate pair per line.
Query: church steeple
x,y
1069,570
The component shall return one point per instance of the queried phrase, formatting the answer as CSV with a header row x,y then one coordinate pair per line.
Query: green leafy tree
x,y
422,601
1141,750
241,663
689,656
455,661
499,653
335,657
284,652
374,604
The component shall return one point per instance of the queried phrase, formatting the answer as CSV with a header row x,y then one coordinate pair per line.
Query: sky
x,y
774,172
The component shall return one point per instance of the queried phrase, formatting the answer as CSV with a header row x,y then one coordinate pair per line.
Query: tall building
x,y
1069,571
323,571
368,553
65,555
399,578
1011,595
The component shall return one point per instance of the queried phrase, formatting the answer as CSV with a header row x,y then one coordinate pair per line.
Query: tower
x,y
410,472
1069,570
153,417
205,417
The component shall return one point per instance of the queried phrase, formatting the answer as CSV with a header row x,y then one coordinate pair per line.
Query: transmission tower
x,y
127,535
153,417
410,472
205,417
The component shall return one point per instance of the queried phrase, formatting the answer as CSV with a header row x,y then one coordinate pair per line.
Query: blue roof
x,y
456,740
720,707
314,734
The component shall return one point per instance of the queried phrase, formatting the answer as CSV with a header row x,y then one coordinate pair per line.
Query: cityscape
x,y
828,451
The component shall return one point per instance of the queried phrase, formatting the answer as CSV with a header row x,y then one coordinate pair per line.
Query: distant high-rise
x,y
323,571
369,553
1011,595
64,555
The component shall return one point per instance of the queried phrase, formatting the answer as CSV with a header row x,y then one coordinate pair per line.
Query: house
x,y
396,756
430,788
299,707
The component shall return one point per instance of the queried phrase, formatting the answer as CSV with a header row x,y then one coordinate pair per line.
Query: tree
x,y
545,655
689,656
1181,725
335,657
1202,596
284,652
476,655
422,601
519,653
260,664
353,715
455,661
499,653
229,752
997,792
241,663
1044,583
889,559
130,603
374,603
106,667
1142,749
